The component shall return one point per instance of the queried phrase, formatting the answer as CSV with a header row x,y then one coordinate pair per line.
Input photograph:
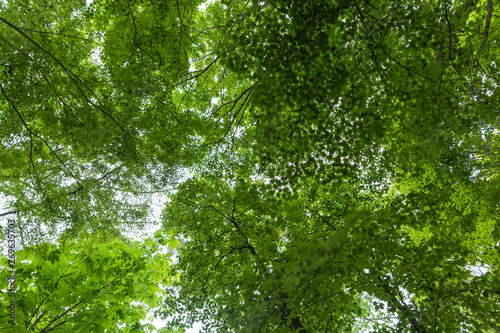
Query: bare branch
x,y
9,213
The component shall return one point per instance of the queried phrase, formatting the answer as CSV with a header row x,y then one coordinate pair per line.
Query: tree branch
x,y
486,27
9,213
37,320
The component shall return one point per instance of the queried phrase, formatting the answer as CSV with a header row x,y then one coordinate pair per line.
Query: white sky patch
x,y
205,4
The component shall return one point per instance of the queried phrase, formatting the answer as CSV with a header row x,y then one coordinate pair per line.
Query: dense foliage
x,y
85,286
332,166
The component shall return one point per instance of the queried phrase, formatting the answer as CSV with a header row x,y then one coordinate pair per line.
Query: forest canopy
x,y
321,166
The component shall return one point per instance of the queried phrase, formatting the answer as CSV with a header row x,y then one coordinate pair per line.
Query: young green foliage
x,y
88,285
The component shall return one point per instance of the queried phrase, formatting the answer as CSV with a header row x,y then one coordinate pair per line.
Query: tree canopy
x,y
330,166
